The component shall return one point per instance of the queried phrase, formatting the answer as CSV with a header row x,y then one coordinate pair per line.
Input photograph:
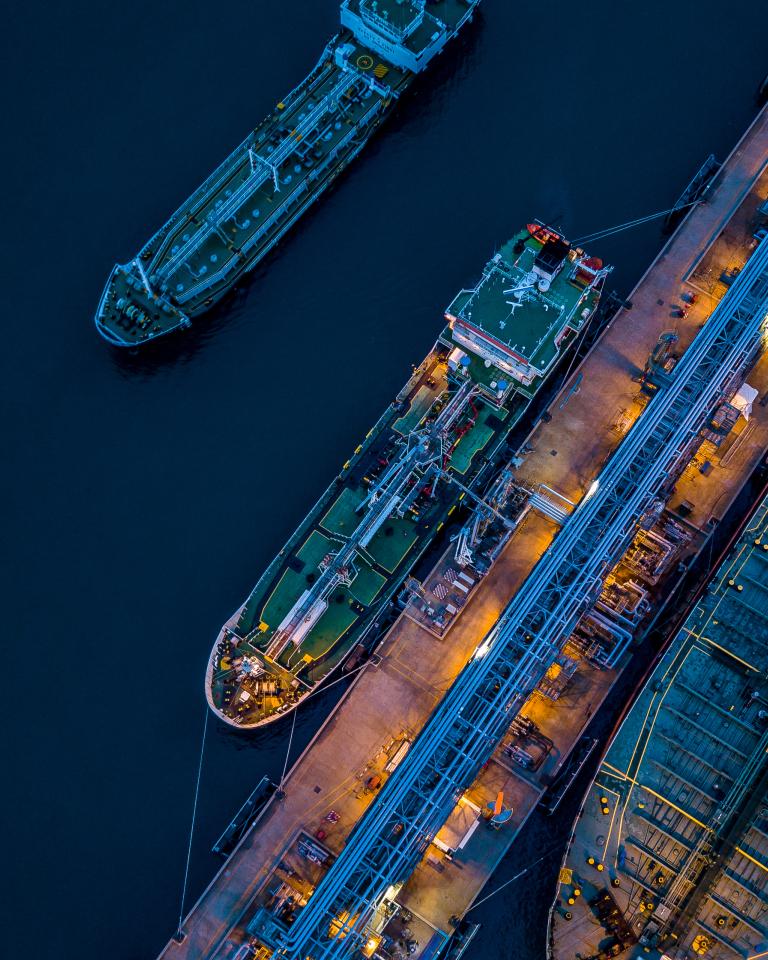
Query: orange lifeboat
x,y
541,233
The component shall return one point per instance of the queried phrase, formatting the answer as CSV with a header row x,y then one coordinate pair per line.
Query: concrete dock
x,y
393,696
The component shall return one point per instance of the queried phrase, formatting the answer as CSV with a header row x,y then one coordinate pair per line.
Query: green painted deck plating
x,y
244,207
269,656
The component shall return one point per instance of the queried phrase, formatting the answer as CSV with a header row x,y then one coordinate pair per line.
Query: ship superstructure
x,y
670,852
249,202
440,444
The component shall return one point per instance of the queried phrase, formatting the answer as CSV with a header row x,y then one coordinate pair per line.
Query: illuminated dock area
x,y
592,413
600,401
287,856
389,702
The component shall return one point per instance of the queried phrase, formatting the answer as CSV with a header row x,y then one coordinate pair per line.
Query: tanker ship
x,y
668,857
440,448
248,203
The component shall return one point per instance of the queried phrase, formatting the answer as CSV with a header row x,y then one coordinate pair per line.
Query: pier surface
x,y
394,694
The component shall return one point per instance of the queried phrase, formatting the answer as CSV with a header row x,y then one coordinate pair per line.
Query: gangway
x,y
468,724
547,506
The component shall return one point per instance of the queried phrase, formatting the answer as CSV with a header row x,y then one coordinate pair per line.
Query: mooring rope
x,y
200,773
194,818
288,751
516,877
309,696
609,231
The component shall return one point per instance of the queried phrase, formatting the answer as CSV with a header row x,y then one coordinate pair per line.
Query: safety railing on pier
x,y
468,724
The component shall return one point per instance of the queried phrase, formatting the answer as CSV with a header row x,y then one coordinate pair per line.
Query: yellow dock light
x,y
604,801
599,867
370,946
577,891
606,810
571,901
341,925
593,488
481,651
591,861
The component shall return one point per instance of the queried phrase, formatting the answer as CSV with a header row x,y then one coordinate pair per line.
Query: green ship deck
x,y
444,436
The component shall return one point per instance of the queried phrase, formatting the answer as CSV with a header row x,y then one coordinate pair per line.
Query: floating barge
x,y
440,446
248,203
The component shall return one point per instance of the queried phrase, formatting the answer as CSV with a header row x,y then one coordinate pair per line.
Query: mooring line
x,y
194,817
288,751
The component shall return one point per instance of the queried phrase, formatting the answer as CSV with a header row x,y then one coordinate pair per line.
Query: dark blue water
x,y
143,495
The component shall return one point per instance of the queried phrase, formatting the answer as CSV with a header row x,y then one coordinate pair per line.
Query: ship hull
x,y
377,526
258,193
184,319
